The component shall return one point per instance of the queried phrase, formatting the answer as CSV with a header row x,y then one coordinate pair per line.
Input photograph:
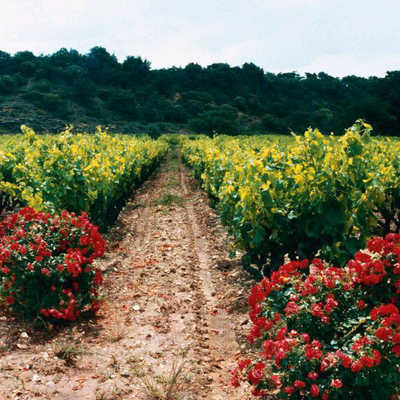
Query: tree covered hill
x,y
49,91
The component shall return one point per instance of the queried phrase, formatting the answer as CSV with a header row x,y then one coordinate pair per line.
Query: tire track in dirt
x,y
221,332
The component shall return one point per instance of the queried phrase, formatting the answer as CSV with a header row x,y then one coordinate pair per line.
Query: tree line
x,y
217,98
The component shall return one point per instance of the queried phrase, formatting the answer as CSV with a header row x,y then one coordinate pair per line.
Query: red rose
x,y
299,384
289,389
356,366
337,383
314,390
396,350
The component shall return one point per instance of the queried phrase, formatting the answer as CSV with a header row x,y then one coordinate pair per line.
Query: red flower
x,y
276,380
346,361
314,390
306,337
361,305
367,361
235,381
325,395
299,384
356,366
291,308
242,364
258,393
377,357
289,389
255,376
312,350
396,350
337,383
384,334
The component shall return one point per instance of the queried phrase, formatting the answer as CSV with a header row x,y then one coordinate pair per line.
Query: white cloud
x,y
337,36
284,4
346,64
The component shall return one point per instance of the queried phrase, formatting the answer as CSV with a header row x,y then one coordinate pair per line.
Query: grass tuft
x,y
69,351
169,199
169,386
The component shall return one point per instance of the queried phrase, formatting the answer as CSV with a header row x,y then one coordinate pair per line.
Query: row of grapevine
x,y
48,247
301,196
75,172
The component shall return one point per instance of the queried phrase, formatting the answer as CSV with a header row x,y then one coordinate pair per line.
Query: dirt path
x,y
173,299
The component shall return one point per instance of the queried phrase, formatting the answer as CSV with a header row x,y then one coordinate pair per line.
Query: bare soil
x,y
172,296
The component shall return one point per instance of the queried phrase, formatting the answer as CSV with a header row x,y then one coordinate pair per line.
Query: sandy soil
x,y
172,296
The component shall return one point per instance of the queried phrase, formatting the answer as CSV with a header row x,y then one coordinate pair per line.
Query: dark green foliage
x,y
123,102
219,119
45,101
217,98
7,84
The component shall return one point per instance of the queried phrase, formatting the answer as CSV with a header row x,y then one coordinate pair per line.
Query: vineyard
x,y
192,267
313,194
79,173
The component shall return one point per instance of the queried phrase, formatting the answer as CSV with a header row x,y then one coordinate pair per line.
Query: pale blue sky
x,y
340,37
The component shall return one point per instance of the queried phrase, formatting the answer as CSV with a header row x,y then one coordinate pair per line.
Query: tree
x,y
222,120
124,103
7,84
103,67
83,90
135,70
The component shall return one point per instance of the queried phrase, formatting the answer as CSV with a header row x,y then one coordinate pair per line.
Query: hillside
x,y
48,92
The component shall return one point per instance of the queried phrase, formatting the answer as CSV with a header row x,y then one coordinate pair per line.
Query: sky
x,y
339,37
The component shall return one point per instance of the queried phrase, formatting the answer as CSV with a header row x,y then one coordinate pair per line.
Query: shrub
x,y
328,332
46,264
7,85
45,101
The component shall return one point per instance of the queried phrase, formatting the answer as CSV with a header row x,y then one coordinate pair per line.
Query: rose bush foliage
x,y
327,332
46,264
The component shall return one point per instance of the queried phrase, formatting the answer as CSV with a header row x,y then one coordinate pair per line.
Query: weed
x,y
68,351
169,386
113,394
169,199
118,330
170,184
138,205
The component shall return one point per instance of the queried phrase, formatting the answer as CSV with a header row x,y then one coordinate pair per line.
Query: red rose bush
x,y
46,264
327,332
